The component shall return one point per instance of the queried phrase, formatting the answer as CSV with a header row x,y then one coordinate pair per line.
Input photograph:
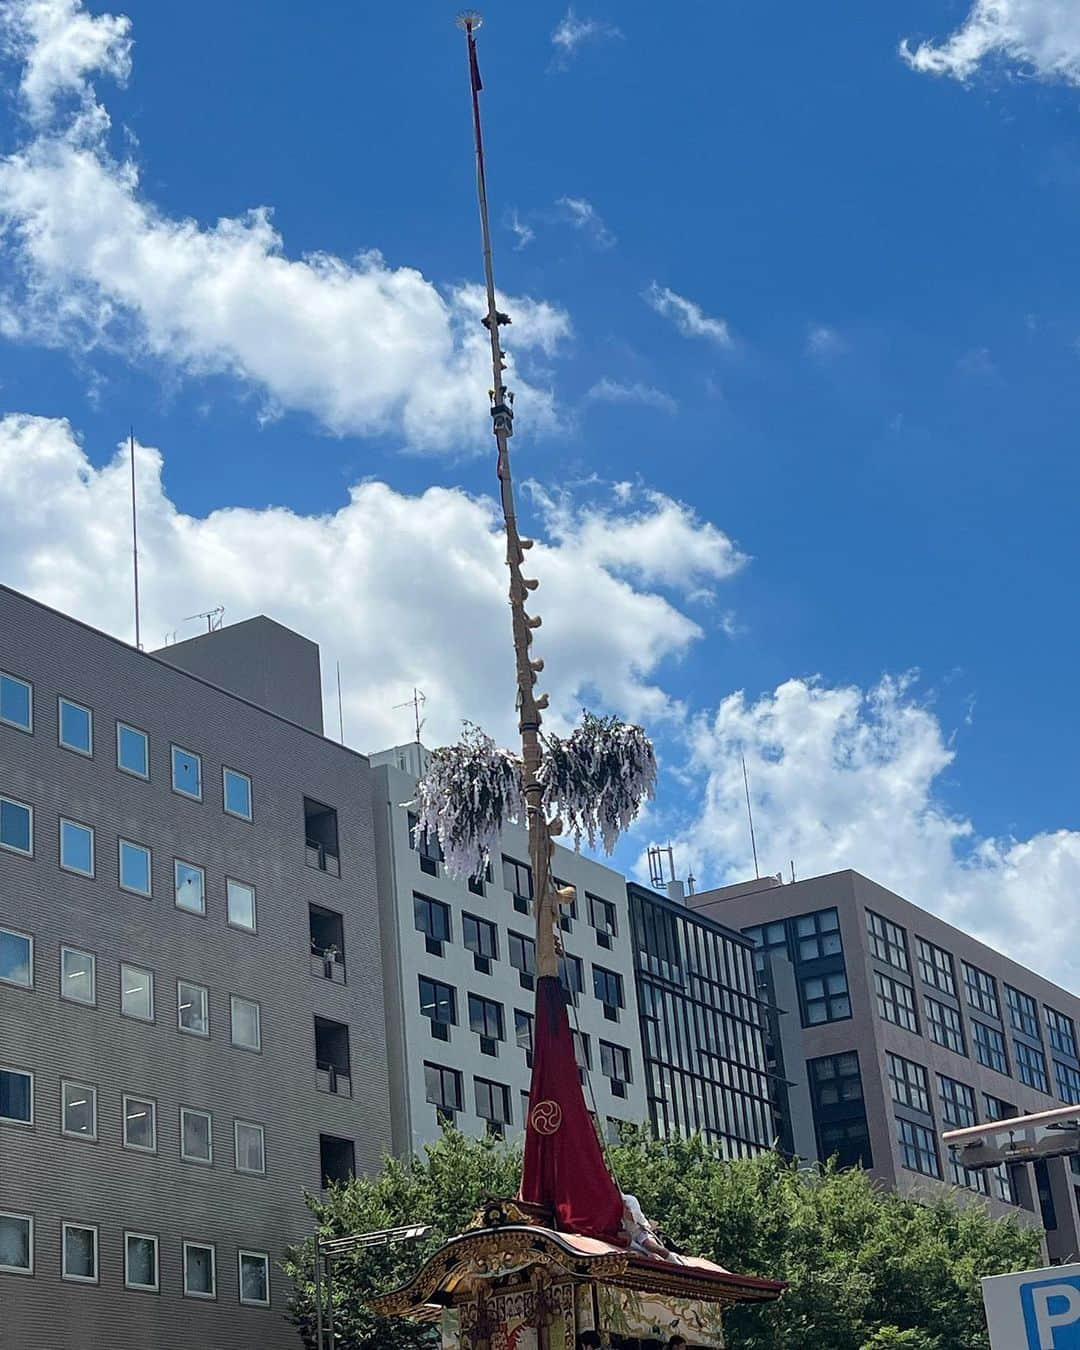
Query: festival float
x,y
572,1260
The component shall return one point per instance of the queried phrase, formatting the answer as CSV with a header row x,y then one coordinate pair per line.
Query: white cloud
x,y
524,232
1042,36
585,217
843,777
647,536
361,346
613,391
570,32
823,342
688,316
403,590
60,46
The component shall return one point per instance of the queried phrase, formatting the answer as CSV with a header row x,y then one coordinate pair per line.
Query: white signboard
x,y
1037,1310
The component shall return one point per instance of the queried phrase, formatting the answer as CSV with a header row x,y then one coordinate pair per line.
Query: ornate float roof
x,y
455,1270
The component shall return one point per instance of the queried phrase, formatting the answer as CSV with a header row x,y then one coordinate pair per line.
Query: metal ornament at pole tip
x,y
470,19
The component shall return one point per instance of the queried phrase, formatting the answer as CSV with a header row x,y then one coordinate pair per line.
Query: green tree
x,y
866,1269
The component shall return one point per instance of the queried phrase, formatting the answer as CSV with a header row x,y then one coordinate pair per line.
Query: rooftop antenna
x,y
660,875
340,709
135,539
750,814
213,618
419,698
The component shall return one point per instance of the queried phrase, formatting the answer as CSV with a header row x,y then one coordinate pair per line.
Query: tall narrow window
x,y
493,1104
240,900
16,826
196,1135
78,1110
888,941
910,1086
337,1160
186,772
16,702
250,1147
523,958
333,1061
944,1025
1023,1012
895,1001
75,727
190,883
16,958
518,880
432,918
602,916
1031,1066
192,1008
918,1148
80,1256
16,1243
236,793
442,1088
141,1261
140,1124
76,847
438,1003
254,1278
321,837
200,1270
981,989
936,967
608,988
989,1047
246,1017
480,938
16,1096
135,869
132,750
486,1019
1062,1031
136,992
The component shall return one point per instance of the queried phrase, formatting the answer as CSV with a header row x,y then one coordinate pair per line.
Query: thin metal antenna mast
x,y
135,539
340,709
528,704
750,814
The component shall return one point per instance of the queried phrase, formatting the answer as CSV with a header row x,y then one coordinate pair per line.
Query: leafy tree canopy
x,y
867,1269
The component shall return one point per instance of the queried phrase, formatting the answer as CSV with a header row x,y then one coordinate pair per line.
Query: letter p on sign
x,y
1052,1314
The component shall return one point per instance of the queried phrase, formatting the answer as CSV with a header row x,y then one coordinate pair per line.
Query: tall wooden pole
x,y
528,704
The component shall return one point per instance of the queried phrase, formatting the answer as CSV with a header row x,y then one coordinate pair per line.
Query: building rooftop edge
x,y
180,670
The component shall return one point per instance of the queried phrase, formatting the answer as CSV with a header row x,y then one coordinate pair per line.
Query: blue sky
x,y
815,302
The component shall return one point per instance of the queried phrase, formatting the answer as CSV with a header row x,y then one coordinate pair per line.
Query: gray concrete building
x,y
909,1028
459,965
191,1004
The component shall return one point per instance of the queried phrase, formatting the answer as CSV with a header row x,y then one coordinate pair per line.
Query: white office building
x,y
459,965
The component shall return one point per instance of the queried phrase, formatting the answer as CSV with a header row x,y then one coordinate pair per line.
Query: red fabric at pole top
x,y
564,1163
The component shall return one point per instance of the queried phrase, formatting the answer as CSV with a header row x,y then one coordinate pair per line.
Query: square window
x,y
76,847
78,1105
140,1124
246,1023
80,1259
132,750
190,882
16,958
17,1096
200,1273
134,867
78,976
186,773
196,1135
75,727
16,1243
254,1278
141,1261
240,899
16,702
192,1008
16,826
136,992
250,1147
236,793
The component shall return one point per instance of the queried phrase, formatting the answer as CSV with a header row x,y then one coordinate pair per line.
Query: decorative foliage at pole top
x,y
469,793
595,781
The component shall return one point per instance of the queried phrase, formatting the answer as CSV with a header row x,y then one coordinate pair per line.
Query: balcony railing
x,y
319,856
332,1079
327,965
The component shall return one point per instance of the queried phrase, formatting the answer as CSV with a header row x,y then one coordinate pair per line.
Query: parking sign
x,y
1036,1310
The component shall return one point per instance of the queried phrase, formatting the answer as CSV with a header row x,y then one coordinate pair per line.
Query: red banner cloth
x,y
564,1163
